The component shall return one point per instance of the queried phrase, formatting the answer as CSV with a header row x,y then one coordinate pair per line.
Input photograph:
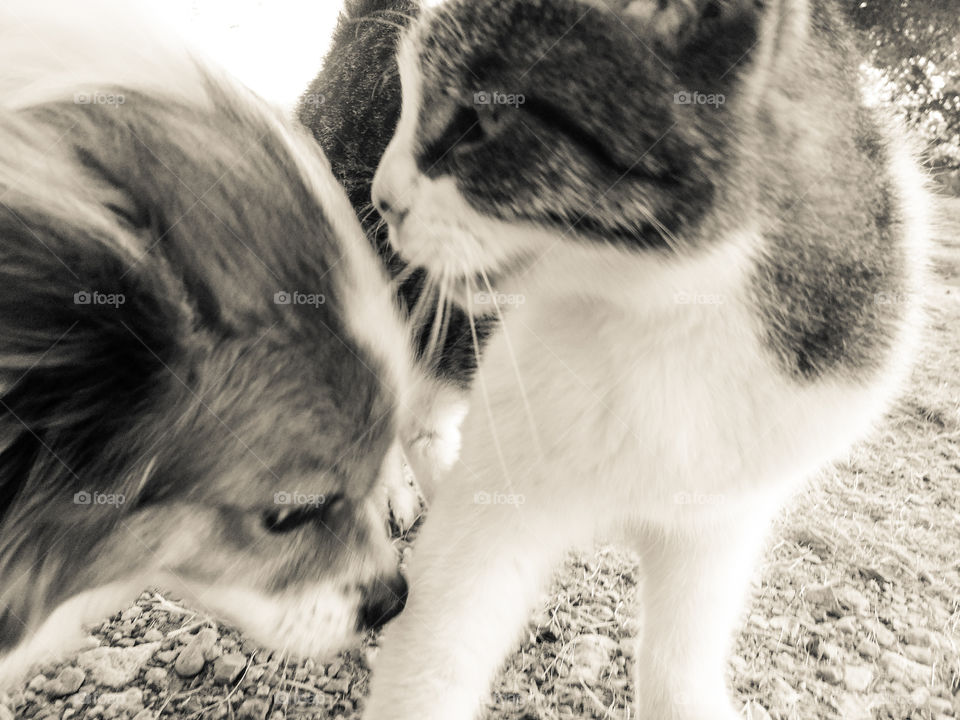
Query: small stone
x,y
917,636
130,701
851,707
131,614
941,705
787,626
67,682
857,677
77,700
885,638
190,661
253,709
153,635
115,667
167,656
853,599
334,668
145,715
157,678
919,654
337,685
126,642
847,625
227,668
920,697
830,674
591,656
820,595
37,683
903,669
869,649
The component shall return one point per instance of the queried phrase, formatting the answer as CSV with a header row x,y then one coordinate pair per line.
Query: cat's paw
x,y
402,502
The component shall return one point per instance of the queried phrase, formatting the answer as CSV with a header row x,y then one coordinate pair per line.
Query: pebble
x,y
157,678
820,595
227,668
847,625
851,707
855,600
190,661
153,635
903,669
885,638
67,682
253,709
115,667
857,677
920,697
941,705
145,715
337,685
919,654
131,614
130,701
37,683
591,656
830,674
869,649
77,699
917,636
167,656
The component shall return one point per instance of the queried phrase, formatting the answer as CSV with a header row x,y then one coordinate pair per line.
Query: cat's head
x,y
200,359
532,126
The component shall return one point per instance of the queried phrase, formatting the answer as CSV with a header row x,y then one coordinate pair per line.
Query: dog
x,y
201,358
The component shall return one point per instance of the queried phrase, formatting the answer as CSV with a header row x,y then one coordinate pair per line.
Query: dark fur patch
x,y
598,138
352,108
831,285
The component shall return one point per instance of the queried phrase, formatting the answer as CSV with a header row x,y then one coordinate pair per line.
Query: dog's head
x,y
199,363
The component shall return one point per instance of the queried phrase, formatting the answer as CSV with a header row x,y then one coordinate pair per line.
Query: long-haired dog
x,y
200,359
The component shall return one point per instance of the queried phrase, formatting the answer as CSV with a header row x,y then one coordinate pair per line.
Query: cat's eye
x,y
286,518
464,129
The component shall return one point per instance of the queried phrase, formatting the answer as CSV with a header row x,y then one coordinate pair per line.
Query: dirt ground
x,y
855,611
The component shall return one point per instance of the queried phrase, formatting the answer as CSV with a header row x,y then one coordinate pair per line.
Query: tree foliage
x,y
916,45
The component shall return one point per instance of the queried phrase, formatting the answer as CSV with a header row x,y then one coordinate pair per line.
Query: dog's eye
x,y
286,519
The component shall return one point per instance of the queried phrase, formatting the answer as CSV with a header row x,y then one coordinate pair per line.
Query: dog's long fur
x,y
719,299
200,355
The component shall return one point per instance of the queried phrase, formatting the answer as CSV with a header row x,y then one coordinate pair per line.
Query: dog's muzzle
x,y
383,600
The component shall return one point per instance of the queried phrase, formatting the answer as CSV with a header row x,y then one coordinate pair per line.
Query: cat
x,y
706,256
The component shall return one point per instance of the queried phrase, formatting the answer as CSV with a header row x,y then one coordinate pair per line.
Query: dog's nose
x,y
382,602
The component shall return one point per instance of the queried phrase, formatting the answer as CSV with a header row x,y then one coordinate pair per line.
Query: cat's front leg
x,y
695,588
477,569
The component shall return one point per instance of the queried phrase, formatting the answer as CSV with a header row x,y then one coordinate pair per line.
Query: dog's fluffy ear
x,y
85,335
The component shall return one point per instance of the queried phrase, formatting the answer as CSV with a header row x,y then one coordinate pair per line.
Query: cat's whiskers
x,y
516,367
481,383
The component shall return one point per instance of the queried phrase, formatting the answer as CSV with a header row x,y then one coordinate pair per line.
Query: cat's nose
x,y
386,201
